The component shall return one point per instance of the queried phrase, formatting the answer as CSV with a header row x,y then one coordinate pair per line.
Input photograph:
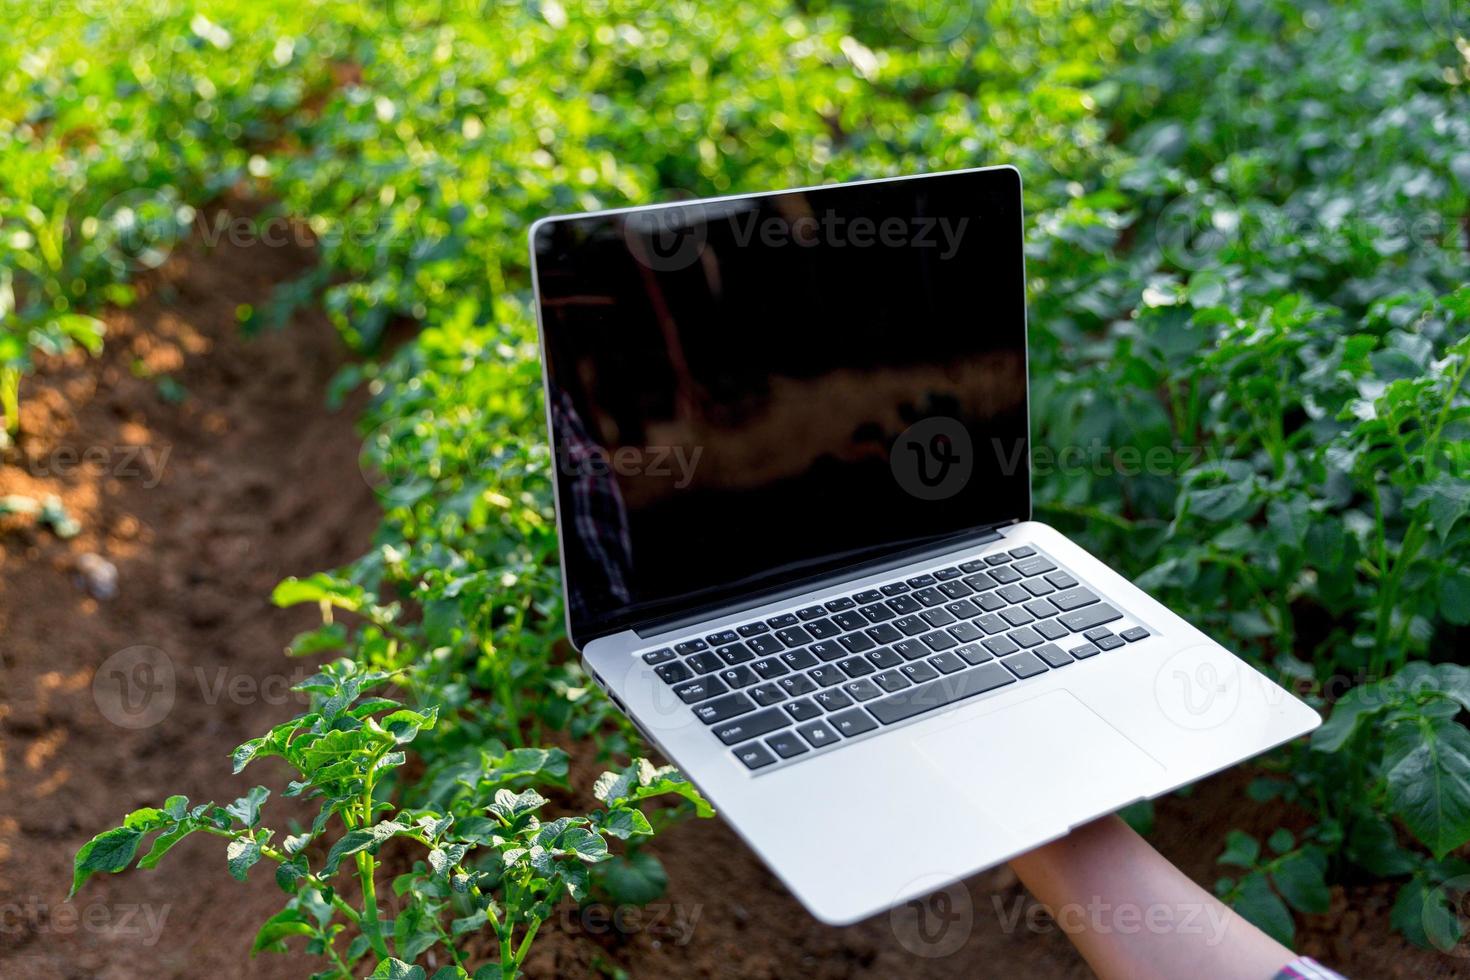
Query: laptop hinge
x,y
687,618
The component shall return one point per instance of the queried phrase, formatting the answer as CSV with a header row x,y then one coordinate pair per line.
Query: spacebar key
x,y
937,693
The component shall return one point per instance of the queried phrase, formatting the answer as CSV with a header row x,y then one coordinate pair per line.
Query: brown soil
x,y
261,481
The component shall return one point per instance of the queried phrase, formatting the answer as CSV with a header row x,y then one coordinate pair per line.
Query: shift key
x,y
751,726
1089,616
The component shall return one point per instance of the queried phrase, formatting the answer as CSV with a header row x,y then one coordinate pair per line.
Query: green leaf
x,y
272,935
241,855
511,806
164,842
1241,850
1454,597
1300,878
1358,703
110,851
326,638
1428,772
360,840
625,822
247,808
584,844
391,969
1260,905
1446,499
633,879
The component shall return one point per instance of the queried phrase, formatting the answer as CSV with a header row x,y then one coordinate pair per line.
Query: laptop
x,y
792,460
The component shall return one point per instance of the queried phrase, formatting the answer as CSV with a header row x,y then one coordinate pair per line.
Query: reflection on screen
x,y
747,393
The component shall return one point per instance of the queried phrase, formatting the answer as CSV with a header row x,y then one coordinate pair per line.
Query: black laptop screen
x,y
751,393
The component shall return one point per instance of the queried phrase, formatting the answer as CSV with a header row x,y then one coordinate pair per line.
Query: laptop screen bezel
x,y
651,617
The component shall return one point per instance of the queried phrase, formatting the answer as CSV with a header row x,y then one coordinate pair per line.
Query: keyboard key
x,y
794,636
920,581
752,629
965,632
766,694
827,651
905,604
919,672
810,612
766,646
992,624
856,642
700,689
970,567
1013,593
655,657
837,605
754,755
936,617
738,653
826,675
690,646
768,667
704,663
797,685
861,690
850,621
751,726
738,676
1000,646
991,601
1070,599
1089,616
833,699
817,734
884,658
945,574
1038,586
956,590
786,744
1022,552
853,723
1134,634
980,582
823,628
782,621
803,710
1109,643
1060,579
719,709
867,596
856,666
912,625
721,638
1084,651
1005,576
1097,633
930,597
1034,566
1024,637
963,609
1017,616
1050,628
997,559
891,680
946,663
883,633
911,649
939,640
800,659
878,612
940,692
1054,655
673,673
1025,665
974,653
894,588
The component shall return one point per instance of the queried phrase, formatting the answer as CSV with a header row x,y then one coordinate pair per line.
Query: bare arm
x,y
1134,916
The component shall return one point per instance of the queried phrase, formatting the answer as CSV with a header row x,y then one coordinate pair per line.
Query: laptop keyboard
x,y
781,689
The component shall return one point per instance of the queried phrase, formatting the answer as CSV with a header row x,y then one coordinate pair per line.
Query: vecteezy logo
x,y
1446,917
137,229
933,459
1450,19
134,688
1193,229
935,21
1198,688
937,924
666,239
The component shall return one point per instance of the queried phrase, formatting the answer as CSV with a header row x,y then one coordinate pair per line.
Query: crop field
x,y
273,435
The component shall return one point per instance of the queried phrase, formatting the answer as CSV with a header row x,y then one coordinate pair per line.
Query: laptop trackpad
x,y
1041,765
